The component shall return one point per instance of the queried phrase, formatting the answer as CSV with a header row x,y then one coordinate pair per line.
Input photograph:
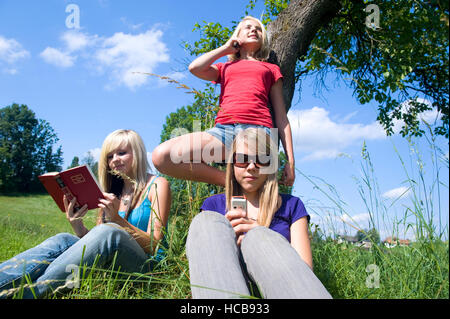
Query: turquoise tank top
x,y
140,216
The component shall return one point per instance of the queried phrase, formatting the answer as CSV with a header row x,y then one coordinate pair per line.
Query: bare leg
x,y
185,157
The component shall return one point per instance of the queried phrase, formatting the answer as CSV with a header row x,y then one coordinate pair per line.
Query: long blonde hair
x,y
263,52
112,183
259,142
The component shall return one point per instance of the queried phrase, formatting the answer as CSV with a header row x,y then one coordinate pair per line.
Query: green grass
x,y
27,220
418,271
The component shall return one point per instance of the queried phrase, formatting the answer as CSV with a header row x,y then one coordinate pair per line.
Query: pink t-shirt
x,y
245,87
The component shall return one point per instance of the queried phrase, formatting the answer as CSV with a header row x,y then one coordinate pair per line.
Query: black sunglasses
x,y
244,160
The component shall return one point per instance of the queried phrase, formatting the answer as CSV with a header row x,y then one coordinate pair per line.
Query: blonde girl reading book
x,y
248,86
132,216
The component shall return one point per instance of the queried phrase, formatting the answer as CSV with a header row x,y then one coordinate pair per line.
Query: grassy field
x,y
26,221
418,271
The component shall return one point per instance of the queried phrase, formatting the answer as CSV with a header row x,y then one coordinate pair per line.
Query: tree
x,y
90,161
75,162
371,235
26,149
395,64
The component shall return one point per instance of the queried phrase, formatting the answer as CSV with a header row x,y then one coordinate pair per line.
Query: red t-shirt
x,y
245,87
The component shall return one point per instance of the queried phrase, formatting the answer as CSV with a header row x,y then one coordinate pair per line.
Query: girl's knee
x,y
62,240
208,229
107,231
207,223
259,235
206,219
159,155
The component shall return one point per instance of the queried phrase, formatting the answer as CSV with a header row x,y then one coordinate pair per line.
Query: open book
x,y
78,181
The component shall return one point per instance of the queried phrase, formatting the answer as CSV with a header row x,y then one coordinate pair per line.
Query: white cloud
x,y
130,25
322,154
358,218
57,57
122,54
119,56
10,71
319,137
11,52
75,40
396,193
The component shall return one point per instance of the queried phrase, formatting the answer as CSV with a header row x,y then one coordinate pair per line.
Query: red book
x,y
78,181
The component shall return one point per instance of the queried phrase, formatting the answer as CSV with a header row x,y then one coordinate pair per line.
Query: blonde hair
x,y
259,142
112,183
263,52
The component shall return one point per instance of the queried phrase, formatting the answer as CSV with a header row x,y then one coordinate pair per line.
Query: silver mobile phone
x,y
239,202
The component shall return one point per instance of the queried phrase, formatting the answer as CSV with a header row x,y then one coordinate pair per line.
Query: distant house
x,y
365,243
394,241
347,239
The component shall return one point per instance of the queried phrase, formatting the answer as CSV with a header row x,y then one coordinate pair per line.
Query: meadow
x,y
420,270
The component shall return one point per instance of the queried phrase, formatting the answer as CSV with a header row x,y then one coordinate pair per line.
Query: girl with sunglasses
x,y
231,250
248,85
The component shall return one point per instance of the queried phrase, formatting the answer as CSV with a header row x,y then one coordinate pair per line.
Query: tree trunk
x,y
291,33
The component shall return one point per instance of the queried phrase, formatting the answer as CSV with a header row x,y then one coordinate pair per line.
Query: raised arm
x,y
202,66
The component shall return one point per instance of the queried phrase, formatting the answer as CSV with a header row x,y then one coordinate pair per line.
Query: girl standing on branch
x,y
248,84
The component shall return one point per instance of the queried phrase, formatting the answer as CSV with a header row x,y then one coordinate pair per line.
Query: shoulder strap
x,y
149,187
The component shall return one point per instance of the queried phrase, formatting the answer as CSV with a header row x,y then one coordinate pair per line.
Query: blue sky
x,y
81,81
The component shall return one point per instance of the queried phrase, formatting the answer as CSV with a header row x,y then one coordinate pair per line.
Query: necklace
x,y
126,200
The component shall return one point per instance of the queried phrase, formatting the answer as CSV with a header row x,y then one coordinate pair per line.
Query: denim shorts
x,y
227,132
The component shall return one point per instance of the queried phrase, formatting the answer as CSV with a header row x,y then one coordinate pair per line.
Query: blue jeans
x,y
51,264
227,132
220,269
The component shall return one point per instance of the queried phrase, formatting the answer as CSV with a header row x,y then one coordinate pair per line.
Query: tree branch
x,y
291,33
